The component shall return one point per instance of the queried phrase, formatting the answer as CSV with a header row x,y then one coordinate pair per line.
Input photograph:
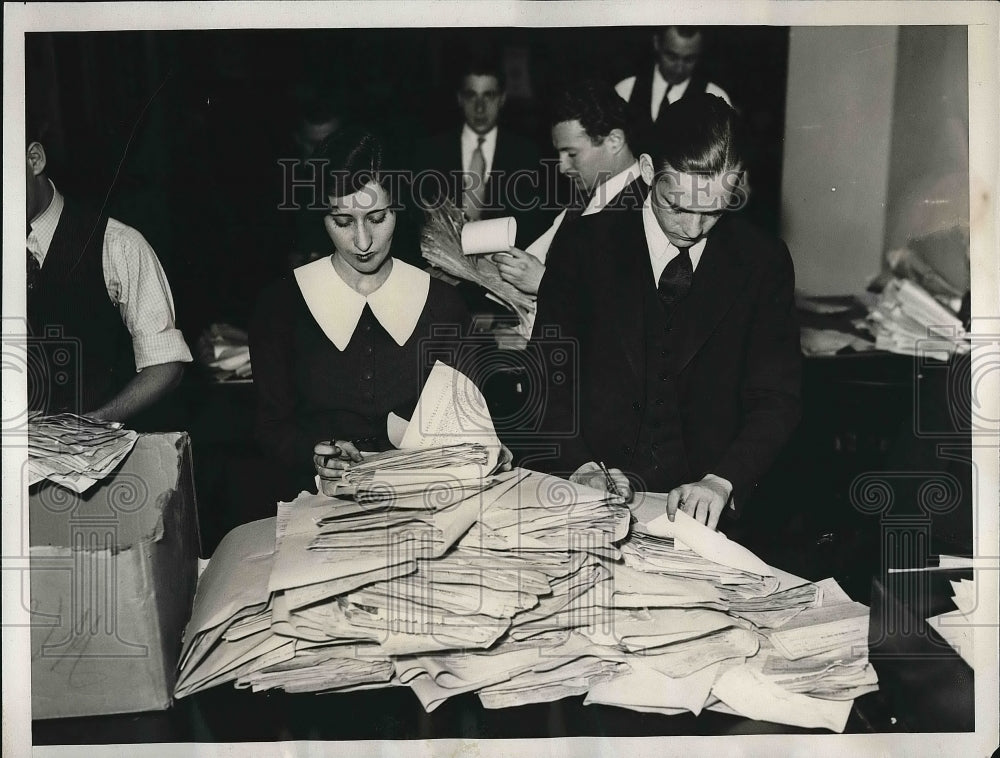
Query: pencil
x,y
612,487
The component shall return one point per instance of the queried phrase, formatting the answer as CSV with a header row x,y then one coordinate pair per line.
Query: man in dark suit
x,y
483,167
592,134
683,316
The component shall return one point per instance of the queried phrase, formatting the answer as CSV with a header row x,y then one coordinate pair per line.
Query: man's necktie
x,y
675,281
32,267
476,191
664,102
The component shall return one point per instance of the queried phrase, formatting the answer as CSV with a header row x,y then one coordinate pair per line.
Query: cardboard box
x,y
113,575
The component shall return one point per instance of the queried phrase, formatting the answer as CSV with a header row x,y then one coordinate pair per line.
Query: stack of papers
x,y
522,588
906,319
75,451
705,623
958,626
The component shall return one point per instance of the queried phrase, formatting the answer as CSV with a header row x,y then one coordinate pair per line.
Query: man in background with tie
x,y
95,284
674,74
683,315
484,168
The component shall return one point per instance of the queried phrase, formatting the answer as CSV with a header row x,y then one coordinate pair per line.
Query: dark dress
x,y
308,390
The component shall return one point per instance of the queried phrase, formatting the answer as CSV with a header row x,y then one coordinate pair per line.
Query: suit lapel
x,y
717,281
499,155
632,258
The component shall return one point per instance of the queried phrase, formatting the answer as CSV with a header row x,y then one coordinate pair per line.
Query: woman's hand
x,y
331,457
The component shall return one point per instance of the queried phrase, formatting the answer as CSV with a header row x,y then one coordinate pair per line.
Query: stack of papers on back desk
x,y
75,451
906,319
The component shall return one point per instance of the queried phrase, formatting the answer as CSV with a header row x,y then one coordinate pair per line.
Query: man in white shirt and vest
x,y
94,286
674,74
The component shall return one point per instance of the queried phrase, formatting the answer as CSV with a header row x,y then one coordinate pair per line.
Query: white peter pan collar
x,y
337,308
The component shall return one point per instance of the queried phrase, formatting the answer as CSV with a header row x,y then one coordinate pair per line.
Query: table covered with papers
x,y
531,590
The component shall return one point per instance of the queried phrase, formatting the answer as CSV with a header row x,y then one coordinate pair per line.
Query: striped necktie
x,y
476,191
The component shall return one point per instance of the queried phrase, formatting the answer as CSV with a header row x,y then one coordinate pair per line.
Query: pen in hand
x,y
611,486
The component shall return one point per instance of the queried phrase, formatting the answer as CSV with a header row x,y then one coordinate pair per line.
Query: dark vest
x,y
80,353
639,104
659,459
574,232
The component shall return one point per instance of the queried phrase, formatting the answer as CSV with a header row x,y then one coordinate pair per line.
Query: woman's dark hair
x,y
597,107
347,161
699,134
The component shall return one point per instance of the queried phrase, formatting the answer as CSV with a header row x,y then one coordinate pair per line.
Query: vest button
x,y
636,406
627,450
659,401
367,375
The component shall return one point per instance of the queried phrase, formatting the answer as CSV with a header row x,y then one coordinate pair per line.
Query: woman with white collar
x,y
350,337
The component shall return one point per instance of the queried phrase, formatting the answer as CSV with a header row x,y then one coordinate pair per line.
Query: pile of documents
x,y
520,587
75,451
706,624
906,319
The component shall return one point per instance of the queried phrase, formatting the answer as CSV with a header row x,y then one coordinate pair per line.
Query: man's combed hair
x,y
699,134
347,161
486,62
597,107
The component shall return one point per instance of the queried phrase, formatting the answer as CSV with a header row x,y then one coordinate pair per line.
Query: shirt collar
x,y
337,308
470,138
43,228
609,190
661,251
660,84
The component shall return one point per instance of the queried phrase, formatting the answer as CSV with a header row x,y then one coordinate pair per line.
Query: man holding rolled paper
x,y
592,135
689,368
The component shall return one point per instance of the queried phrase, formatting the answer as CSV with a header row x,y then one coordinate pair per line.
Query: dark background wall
x,y
179,132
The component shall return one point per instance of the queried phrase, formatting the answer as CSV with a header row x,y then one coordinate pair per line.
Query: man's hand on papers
x,y
703,500
591,475
331,457
521,269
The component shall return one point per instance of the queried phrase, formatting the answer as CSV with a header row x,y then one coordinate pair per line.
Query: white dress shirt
x,y
469,141
625,86
135,283
337,308
661,250
603,195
